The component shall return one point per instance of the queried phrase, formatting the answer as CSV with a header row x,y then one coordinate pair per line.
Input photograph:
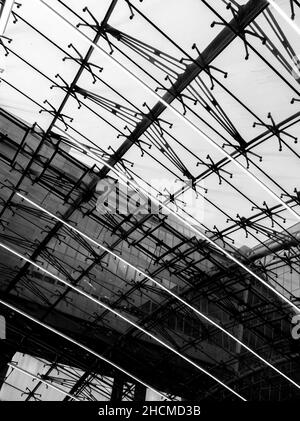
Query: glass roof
x,y
45,55
240,92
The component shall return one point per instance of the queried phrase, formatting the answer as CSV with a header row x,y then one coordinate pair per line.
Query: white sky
x,y
252,81
185,22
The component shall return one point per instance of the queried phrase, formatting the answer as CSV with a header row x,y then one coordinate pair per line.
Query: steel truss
x,y
39,163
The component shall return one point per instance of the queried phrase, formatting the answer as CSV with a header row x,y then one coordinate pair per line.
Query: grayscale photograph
x,y
149,205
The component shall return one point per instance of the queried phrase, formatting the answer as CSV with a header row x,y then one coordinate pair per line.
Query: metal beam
x,y
6,354
5,14
274,246
245,16
117,389
139,393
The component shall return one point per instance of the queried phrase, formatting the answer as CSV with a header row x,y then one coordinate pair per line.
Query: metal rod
x,y
101,304
177,113
5,15
74,342
125,180
284,16
172,294
15,367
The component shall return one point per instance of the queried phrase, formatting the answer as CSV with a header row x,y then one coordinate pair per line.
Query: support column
x,y
140,393
240,328
117,389
6,355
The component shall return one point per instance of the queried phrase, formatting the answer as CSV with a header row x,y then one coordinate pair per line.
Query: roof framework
x,y
238,82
